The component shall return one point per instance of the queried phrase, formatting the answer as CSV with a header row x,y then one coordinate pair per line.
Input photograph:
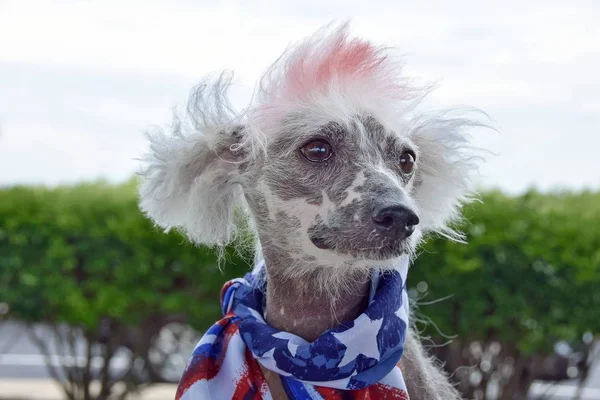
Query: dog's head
x,y
332,162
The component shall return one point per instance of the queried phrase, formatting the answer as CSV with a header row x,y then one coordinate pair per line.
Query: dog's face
x,y
336,168
338,191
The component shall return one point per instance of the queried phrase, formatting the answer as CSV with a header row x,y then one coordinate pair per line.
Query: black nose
x,y
395,221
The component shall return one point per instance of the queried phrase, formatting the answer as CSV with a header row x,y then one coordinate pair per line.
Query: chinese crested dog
x,y
340,177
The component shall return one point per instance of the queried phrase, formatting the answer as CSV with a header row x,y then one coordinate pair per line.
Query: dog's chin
x,y
384,252
387,252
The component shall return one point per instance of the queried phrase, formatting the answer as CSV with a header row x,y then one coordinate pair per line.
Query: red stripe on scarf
x,y
378,391
252,385
206,367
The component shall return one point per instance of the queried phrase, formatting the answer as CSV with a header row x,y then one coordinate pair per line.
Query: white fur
x,y
447,168
187,185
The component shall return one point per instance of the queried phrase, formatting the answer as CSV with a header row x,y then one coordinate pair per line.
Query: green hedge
x,y
78,254
530,270
528,276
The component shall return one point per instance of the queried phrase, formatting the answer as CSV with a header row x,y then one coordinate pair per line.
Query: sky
x,y
80,81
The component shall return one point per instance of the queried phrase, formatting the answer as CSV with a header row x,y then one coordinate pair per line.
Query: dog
x,y
338,174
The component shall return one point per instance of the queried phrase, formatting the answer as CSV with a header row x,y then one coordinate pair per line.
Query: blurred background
x,y
95,303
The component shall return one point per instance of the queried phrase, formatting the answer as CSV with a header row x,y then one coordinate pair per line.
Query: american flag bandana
x,y
356,360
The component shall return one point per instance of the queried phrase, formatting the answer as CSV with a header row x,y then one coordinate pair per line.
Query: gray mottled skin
x,y
313,220
366,155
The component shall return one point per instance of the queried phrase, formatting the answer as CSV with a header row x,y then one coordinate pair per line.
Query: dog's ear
x,y
193,178
192,182
446,166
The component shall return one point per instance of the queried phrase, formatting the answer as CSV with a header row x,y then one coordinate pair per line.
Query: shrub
x,y
83,260
527,278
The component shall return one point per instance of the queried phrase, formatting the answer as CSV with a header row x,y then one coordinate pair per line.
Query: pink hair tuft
x,y
334,58
331,65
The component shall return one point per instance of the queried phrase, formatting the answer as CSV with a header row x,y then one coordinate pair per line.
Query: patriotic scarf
x,y
356,360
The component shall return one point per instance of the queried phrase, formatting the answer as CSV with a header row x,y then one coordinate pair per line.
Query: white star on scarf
x,y
361,339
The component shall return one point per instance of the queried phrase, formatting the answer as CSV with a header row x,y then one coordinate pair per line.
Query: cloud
x,y
80,80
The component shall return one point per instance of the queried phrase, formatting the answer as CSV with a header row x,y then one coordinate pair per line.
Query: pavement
x,y
23,374
46,389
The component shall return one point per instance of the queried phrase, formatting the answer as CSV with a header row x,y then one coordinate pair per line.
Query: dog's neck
x,y
301,308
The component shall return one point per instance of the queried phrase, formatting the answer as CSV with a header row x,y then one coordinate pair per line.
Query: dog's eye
x,y
317,151
407,161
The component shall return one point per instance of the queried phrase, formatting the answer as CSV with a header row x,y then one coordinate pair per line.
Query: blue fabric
x,y
354,355
295,389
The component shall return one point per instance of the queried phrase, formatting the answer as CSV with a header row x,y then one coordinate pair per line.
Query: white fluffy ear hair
x,y
191,177
448,163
